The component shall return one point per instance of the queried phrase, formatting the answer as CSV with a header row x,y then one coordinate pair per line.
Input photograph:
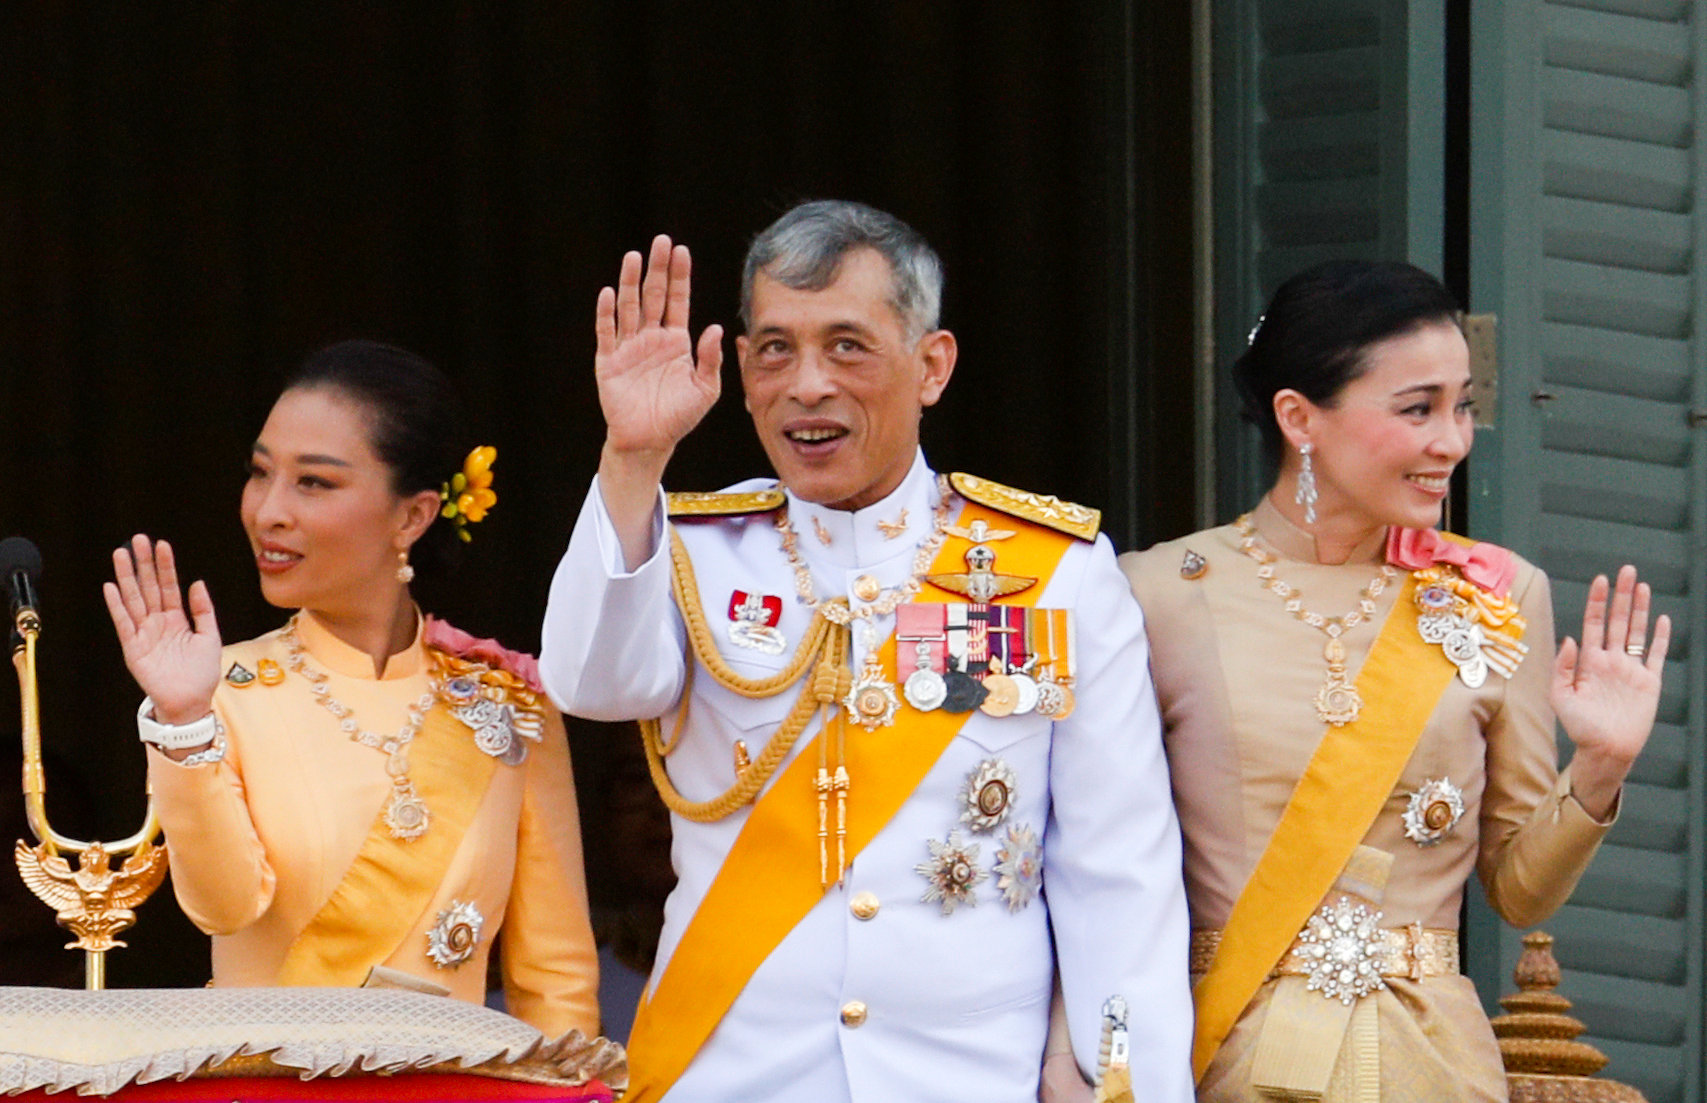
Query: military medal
x,y
1005,642
454,934
1019,867
871,702
1026,686
961,692
753,620
1433,811
1050,700
1001,695
952,872
1451,613
987,795
1056,669
924,688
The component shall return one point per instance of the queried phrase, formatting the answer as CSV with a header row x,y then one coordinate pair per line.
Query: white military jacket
x,y
955,1006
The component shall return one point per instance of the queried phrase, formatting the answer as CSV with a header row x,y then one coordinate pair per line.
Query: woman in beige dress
x,y
365,794
1359,714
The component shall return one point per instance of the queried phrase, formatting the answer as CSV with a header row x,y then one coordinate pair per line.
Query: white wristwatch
x,y
174,737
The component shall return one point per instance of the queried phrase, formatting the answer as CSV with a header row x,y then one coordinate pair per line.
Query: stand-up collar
x,y
336,655
1300,544
879,531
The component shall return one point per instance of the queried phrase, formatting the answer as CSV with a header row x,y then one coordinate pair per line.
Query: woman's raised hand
x,y
652,389
174,657
1607,690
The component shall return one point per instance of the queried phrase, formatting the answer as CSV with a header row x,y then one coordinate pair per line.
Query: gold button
x,y
866,588
864,905
853,1013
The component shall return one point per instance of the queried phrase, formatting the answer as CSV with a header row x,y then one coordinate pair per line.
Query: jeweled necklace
x,y
1338,701
406,815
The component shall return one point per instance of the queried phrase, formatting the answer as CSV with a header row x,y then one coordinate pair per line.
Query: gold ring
x,y
1636,650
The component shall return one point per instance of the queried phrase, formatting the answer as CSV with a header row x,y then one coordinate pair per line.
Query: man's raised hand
x,y
652,387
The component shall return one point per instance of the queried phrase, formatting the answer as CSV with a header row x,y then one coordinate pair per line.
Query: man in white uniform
x,y
909,739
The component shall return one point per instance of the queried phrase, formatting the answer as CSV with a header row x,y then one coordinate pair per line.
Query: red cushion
x,y
402,1088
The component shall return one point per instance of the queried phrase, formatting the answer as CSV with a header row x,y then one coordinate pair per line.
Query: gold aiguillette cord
x,y
833,781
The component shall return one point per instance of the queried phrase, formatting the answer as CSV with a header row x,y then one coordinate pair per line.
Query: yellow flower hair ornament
x,y
469,493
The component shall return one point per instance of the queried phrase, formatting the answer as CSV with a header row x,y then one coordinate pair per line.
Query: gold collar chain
x,y
870,700
889,600
406,815
1338,701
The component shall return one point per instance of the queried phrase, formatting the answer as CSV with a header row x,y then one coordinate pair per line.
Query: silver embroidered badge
x,y
1019,867
1434,810
455,934
952,872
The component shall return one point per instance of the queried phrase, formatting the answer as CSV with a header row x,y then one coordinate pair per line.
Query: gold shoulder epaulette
x,y
702,504
1041,509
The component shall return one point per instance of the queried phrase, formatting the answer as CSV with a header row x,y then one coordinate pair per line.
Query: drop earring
x,y
405,572
1306,495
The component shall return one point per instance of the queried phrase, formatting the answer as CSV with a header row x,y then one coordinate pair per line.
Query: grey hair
x,y
804,249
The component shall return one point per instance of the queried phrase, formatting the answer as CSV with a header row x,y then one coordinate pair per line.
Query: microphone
x,y
20,566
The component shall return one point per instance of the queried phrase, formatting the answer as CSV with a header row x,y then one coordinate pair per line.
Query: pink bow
x,y
442,635
1490,567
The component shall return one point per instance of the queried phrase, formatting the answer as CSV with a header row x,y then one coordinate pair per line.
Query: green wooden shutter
x,y
1587,175
1328,132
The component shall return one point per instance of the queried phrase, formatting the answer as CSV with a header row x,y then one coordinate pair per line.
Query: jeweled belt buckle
x,y
1342,949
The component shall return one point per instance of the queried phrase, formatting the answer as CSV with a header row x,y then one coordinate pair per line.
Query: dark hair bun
x,y
1313,336
413,419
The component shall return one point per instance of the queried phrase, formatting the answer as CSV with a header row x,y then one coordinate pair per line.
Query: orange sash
x,y
1342,790
391,882
769,880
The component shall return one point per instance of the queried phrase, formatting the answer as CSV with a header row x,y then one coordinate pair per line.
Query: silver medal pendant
x,y
1029,693
925,690
406,815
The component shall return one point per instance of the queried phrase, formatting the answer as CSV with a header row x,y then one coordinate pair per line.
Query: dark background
x,y
193,196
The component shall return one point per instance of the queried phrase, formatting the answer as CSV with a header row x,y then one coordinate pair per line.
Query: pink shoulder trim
x,y
446,637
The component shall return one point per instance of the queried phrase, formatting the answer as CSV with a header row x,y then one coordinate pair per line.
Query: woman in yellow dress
x,y
1359,713
365,794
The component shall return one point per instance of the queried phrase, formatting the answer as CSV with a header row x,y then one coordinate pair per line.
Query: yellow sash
x,y
1343,789
769,880
391,882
